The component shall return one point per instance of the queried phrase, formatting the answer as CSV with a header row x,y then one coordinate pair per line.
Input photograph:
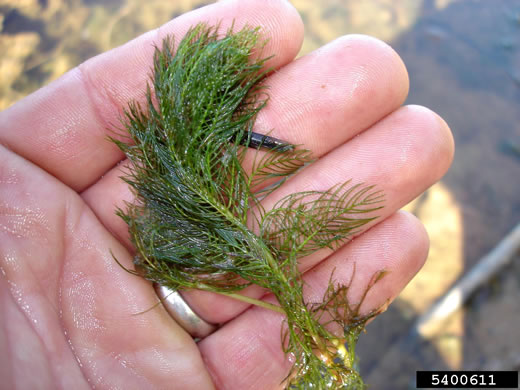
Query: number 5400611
x,y
463,379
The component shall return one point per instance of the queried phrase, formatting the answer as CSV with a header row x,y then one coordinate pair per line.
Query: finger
x,y
63,127
251,345
75,305
327,97
319,101
403,155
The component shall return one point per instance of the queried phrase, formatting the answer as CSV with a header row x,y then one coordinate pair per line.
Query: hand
x,y
69,312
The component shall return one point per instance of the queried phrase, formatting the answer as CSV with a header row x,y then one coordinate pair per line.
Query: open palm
x,y
69,314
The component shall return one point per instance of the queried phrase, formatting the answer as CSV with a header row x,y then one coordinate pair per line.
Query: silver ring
x,y
182,313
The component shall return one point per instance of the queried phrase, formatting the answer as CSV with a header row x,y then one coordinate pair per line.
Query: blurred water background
x,y
463,57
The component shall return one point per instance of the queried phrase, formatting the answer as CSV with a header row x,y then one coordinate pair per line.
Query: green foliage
x,y
198,220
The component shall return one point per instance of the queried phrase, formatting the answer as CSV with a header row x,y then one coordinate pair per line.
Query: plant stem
x,y
253,301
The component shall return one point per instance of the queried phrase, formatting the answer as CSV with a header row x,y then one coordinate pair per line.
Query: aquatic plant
x,y
198,221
